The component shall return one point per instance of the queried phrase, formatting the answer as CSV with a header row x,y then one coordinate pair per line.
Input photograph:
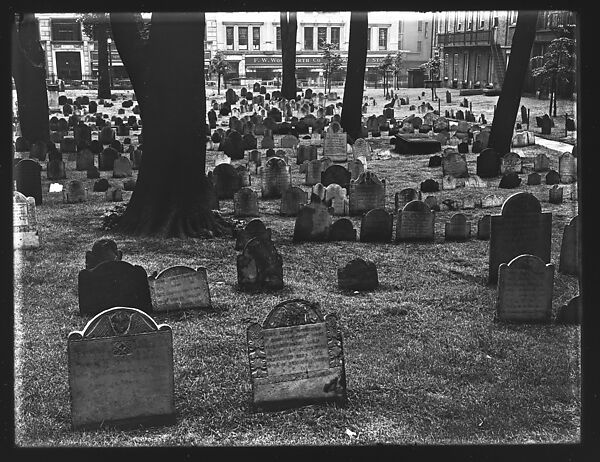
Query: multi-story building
x,y
475,45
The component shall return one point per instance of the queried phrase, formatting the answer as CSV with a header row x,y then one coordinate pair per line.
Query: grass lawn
x,y
425,361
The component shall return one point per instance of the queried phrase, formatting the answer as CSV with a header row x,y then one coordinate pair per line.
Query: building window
x,y
335,36
495,23
309,38
278,38
426,29
470,25
477,68
419,46
482,24
256,38
382,38
369,38
321,36
446,65
466,66
66,31
419,26
513,17
459,26
229,37
455,66
242,38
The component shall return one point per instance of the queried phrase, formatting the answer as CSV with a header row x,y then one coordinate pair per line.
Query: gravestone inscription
x,y
179,288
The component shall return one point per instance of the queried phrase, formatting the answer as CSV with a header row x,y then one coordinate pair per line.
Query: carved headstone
x,y
292,200
416,222
334,146
361,149
179,288
254,228
541,163
335,196
429,185
356,168
75,192
245,203
511,163
275,178
567,168
25,233
376,226
366,192
358,274
260,266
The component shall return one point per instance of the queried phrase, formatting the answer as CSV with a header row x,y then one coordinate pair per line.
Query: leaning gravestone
x,y
525,290
376,226
121,371
102,250
366,192
483,228
358,274
342,230
488,163
179,288
405,196
260,266
292,200
275,178
313,223
113,283
570,249
334,146
521,228
75,192
416,222
25,233
245,203
296,358
541,163
457,229
567,168
254,228
27,174
511,163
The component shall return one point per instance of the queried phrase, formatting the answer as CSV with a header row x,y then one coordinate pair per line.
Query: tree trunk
x,y
508,102
289,28
103,70
172,197
555,85
550,97
29,72
351,119
218,84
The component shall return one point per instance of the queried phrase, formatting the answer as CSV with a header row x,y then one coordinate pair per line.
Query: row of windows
x,y
477,74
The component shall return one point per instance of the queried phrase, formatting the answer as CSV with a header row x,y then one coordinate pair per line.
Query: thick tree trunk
x,y
103,71
351,120
172,197
289,28
29,72
508,102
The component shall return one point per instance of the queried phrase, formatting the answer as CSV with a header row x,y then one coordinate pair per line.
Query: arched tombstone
x,y
342,230
27,174
511,163
366,192
254,228
570,249
313,223
455,164
259,266
179,288
335,174
113,283
525,290
122,167
106,135
292,200
245,203
405,196
227,181
106,159
376,226
521,228
25,233
488,163
121,371
85,160
541,163
102,250
458,228
416,222
316,372
275,178
483,227
567,167
358,274
335,197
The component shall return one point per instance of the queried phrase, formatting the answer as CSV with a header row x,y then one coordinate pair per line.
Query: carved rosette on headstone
x,y
121,371
525,290
179,288
25,233
296,358
366,192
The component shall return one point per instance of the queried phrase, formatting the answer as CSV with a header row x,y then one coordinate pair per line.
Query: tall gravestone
x,y
314,168
25,233
366,192
361,149
296,357
260,266
488,163
455,164
313,223
121,371
376,226
525,290
292,200
567,168
570,249
275,178
27,174
521,228
416,222
179,288
55,170
122,167
334,146
245,203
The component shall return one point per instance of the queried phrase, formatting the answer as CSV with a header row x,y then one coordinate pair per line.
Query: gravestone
x,y
488,163
292,200
245,203
429,185
84,160
305,153
114,194
546,124
233,145
318,192
523,139
552,177
121,371
435,161
334,146
249,141
222,158
122,167
106,135
314,168
534,179
541,163
92,172
288,141
25,233
457,229
572,312
491,200
358,274
254,229
296,358
275,178
463,148
335,197
570,249
335,174
511,163
106,159
483,228
455,164
509,181
227,181
313,223
361,149
342,230
356,168
38,150
376,226
416,222
555,195
102,250
267,142
449,182
113,283
431,202
525,289
473,181
179,288
27,175
366,192
405,196
521,228
74,192
55,170
567,168
260,266
68,145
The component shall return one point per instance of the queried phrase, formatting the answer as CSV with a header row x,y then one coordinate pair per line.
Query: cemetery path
x,y
554,145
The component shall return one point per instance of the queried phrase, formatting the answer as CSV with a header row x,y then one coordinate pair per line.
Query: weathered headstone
x,y
567,168
361,149
275,178
305,152
555,195
313,223
313,171
520,229
122,167
356,168
254,229
405,196
106,135
227,181
296,357
75,192
541,163
335,174
449,182
55,170
267,142
318,192
84,160
522,139
358,274
179,288
416,222
511,163
259,266
509,181
435,161
245,203
366,192
292,200
572,312
288,141
106,159
534,179
483,227
457,229
552,177
102,250
334,146
376,226
342,230
488,163
114,194
336,198
25,233
570,249
27,174
222,158
525,289
429,185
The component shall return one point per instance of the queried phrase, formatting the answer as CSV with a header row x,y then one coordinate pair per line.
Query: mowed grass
x,y
425,361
